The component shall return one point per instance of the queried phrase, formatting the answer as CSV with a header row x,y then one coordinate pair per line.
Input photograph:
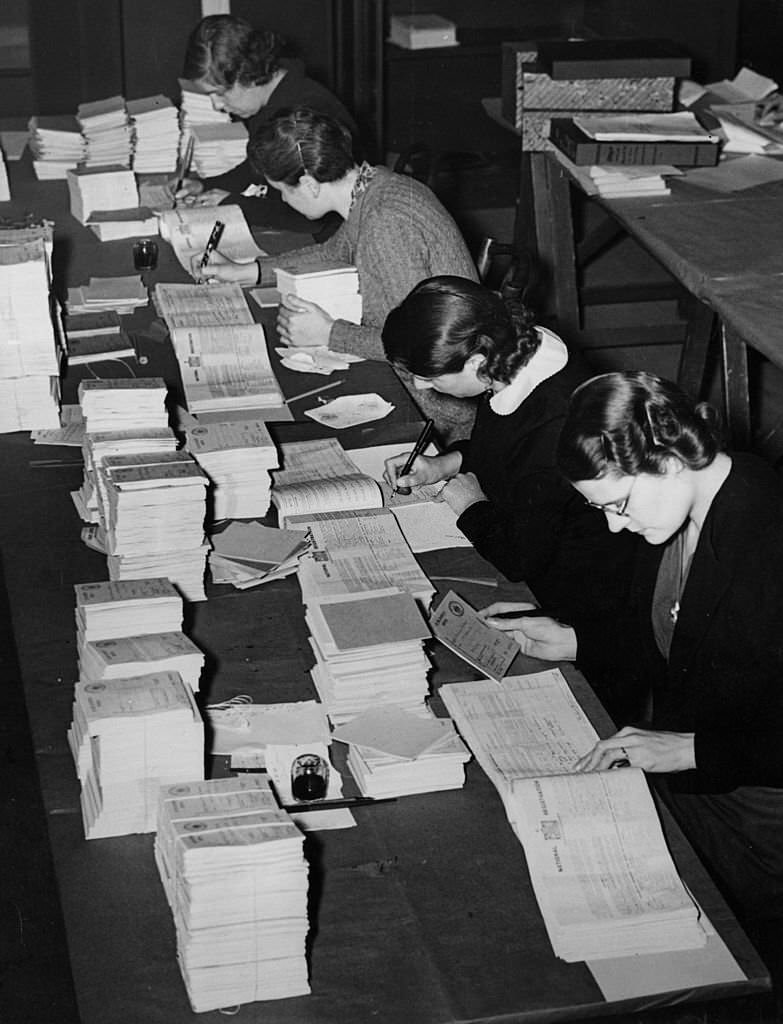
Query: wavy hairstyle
x,y
445,320
631,423
223,50
299,140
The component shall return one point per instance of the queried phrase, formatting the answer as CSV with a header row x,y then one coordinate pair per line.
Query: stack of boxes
x,y
557,79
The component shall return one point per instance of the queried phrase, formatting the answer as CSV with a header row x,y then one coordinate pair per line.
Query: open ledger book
x,y
320,476
602,874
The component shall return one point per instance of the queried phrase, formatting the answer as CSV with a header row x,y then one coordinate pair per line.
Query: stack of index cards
x,y
106,128
127,657
232,866
128,738
369,650
155,134
113,608
122,404
394,753
333,284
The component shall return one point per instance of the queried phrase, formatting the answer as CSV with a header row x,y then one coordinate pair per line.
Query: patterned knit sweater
x,y
397,233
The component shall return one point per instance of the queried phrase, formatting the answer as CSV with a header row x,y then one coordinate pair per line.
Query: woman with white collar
x,y
462,339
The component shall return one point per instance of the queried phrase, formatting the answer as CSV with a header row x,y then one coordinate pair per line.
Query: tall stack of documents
x,y
106,128
128,738
57,144
196,109
29,353
333,285
369,650
152,509
602,874
237,456
218,147
394,753
110,609
127,657
106,188
233,869
123,403
155,134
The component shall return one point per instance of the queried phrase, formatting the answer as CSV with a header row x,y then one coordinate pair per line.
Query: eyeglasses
x,y
615,508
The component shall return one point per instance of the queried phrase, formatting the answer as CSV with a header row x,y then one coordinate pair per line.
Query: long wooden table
x,y
423,913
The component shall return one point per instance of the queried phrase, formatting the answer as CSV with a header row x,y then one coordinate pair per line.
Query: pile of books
x,y
122,294
123,404
152,508
56,144
369,650
126,657
110,609
128,737
395,753
106,129
332,284
29,333
218,147
233,869
237,456
155,128
94,189
93,337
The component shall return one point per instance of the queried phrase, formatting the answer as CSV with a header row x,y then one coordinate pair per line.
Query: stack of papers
x,y
115,608
109,225
195,109
123,404
29,338
241,729
233,869
155,128
122,294
97,189
98,445
237,456
106,128
248,554
128,738
604,879
57,145
627,182
369,650
152,508
332,284
127,657
395,753
218,147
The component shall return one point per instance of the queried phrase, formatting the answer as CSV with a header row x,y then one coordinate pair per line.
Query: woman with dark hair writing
x,y
702,633
394,231
241,68
461,339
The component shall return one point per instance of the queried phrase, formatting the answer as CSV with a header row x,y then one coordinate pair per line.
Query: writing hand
x,y
189,189
642,748
462,492
302,323
426,469
221,268
213,197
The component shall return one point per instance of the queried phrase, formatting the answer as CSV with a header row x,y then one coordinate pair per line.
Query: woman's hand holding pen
x,y
540,637
212,197
641,748
221,268
426,469
302,323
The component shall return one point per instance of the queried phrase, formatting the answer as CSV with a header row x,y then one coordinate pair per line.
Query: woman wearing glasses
x,y
703,630
461,339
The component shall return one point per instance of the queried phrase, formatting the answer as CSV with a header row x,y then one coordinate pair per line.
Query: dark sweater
x,y
295,89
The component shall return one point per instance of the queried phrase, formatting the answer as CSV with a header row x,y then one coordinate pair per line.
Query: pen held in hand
x,y
418,448
213,242
522,613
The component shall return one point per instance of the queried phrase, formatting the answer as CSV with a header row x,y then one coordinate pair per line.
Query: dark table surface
x,y
422,913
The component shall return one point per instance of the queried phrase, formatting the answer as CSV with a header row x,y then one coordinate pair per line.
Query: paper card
x,y
392,618
350,410
459,627
390,729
